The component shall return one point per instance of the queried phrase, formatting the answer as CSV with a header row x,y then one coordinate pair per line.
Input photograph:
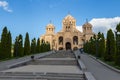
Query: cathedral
x,y
69,37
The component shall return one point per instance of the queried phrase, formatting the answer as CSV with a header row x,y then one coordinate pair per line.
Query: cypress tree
x,y
48,46
20,46
99,44
110,46
43,47
91,50
33,46
118,27
38,50
117,56
15,54
4,44
102,45
0,48
27,45
9,40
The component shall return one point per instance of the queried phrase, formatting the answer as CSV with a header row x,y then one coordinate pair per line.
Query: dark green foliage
x,y
33,46
27,45
45,46
110,46
5,51
9,44
38,46
117,56
118,28
48,46
96,45
102,45
18,46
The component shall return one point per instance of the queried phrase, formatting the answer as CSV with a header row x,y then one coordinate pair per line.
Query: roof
x,y
69,18
50,26
87,25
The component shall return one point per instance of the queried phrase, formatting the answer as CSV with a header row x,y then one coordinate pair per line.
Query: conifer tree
x,y
4,44
117,56
20,46
38,50
15,54
99,44
102,45
110,46
118,27
47,46
9,40
33,46
27,45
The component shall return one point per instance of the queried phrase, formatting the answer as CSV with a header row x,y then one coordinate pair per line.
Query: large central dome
x,y
69,18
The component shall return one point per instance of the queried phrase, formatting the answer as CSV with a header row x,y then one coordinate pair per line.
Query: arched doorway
x,y
68,45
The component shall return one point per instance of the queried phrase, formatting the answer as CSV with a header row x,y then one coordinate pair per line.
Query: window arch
x,y
75,40
60,40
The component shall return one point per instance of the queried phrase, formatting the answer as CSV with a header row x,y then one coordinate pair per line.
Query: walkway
x,y
99,71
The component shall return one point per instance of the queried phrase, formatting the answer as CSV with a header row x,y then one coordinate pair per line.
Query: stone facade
x,y
69,37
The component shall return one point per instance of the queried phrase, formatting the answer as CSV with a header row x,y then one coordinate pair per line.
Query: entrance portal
x,y
68,45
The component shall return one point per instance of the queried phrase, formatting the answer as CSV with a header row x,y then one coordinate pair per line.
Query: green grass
x,y
111,63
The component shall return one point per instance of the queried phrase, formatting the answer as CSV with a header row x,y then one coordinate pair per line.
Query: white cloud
x,y
4,5
103,24
79,28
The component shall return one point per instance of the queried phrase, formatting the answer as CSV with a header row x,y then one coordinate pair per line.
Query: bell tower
x,y
87,28
68,23
87,31
50,29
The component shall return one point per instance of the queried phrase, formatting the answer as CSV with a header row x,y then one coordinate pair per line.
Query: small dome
x,y
50,26
69,18
87,25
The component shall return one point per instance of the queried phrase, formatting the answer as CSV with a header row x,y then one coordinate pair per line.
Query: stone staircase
x,y
62,58
61,54
54,61
40,76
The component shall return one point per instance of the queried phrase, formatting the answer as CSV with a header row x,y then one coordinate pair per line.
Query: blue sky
x,y
32,16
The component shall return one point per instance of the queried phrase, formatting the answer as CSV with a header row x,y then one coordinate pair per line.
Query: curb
x,y
108,66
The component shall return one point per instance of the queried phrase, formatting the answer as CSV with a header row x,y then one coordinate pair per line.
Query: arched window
x,y
75,40
67,28
60,40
